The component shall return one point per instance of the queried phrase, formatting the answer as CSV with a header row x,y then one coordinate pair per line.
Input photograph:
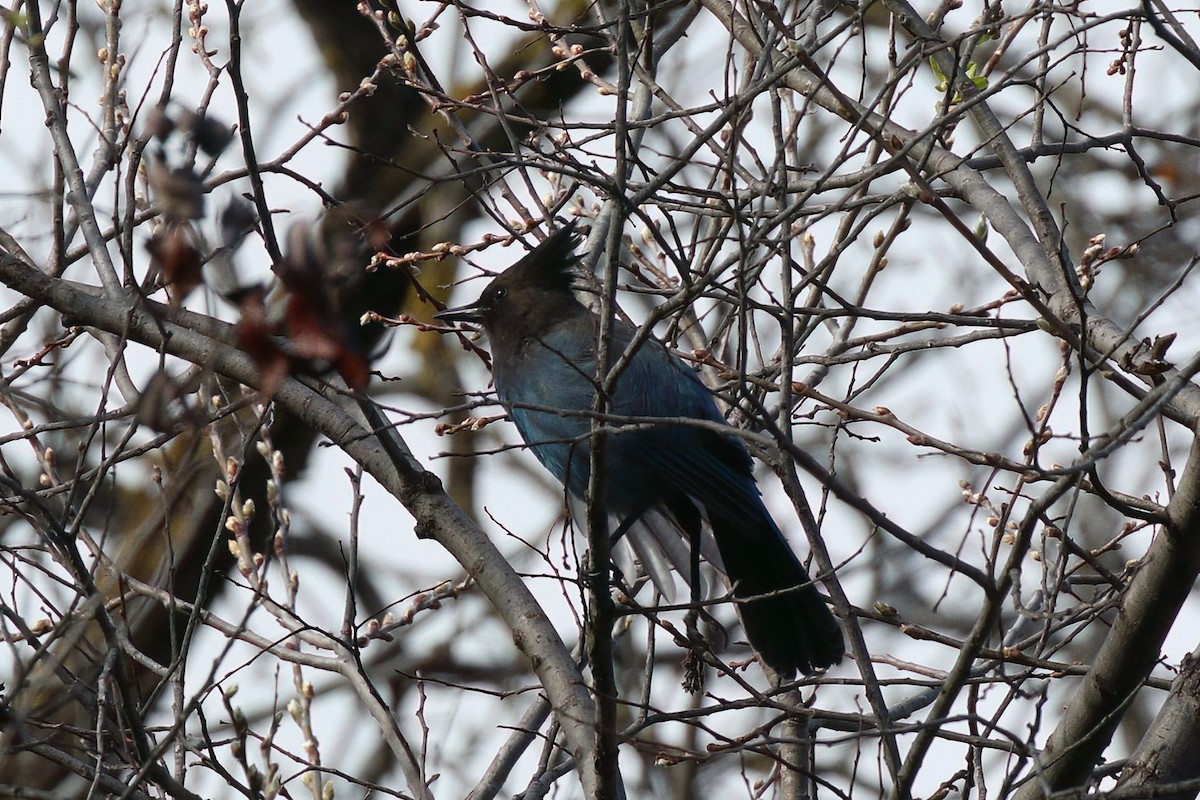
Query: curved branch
x,y
202,340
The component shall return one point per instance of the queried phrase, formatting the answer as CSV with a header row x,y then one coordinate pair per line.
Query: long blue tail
x,y
792,630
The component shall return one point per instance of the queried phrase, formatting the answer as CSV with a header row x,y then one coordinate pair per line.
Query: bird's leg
x,y
687,516
622,529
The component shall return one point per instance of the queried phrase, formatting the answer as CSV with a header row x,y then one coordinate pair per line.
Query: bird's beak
x,y
471,313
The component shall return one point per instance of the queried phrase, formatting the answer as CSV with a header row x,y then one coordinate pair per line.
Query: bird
x,y
543,349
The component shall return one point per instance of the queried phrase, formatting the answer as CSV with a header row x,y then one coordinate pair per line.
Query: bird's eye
x,y
498,293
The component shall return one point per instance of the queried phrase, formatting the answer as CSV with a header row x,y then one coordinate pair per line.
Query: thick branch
x,y
1148,610
1167,753
201,340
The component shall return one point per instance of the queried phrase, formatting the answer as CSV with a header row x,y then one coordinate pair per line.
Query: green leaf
x,y
943,83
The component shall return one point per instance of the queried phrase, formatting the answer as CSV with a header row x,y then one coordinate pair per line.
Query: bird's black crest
x,y
549,264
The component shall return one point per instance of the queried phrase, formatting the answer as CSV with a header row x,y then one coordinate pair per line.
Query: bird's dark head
x,y
528,290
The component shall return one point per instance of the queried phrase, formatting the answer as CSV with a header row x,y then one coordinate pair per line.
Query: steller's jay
x,y
544,368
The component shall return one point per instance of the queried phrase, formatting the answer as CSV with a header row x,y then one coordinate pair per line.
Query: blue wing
x,y
550,388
